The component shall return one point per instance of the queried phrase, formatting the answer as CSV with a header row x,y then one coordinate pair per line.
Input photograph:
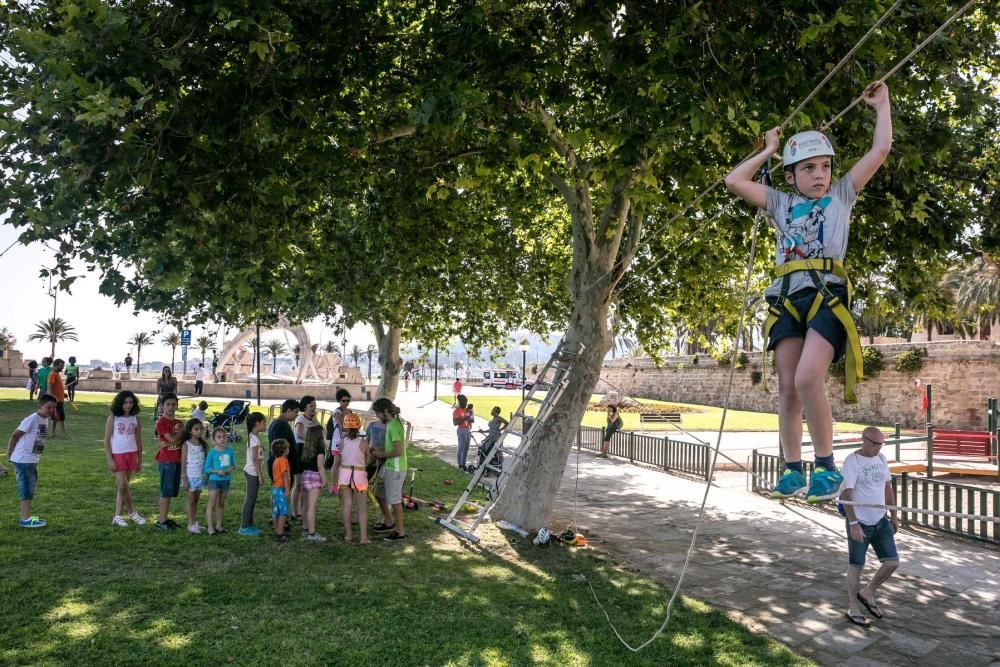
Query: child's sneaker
x,y
252,531
119,521
31,522
194,529
824,485
791,484
137,518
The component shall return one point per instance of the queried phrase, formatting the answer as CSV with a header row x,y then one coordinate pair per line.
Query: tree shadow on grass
x,y
80,591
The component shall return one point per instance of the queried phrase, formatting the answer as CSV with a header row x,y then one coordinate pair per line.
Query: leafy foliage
x,y
908,362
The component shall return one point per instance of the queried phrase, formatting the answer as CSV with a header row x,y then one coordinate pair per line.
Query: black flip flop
x,y
858,620
872,608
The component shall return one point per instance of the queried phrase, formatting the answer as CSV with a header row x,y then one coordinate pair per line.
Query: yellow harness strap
x,y
853,367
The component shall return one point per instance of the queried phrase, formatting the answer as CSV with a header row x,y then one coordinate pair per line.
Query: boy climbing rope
x,y
809,323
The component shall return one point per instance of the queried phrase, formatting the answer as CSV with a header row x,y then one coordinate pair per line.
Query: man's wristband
x,y
853,523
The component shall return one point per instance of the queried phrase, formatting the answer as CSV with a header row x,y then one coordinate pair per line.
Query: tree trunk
x,y
388,337
531,489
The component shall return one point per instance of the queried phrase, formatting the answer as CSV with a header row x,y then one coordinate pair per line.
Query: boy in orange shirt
x,y
58,389
280,481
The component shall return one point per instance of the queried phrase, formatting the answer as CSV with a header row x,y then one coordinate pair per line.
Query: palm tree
x,y
974,287
458,366
7,340
53,329
275,347
172,340
370,351
252,345
204,343
356,354
331,348
140,339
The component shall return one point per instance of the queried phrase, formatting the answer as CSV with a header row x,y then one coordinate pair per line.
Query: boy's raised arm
x,y
876,96
740,180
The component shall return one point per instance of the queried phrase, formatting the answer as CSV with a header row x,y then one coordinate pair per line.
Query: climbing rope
x,y
704,193
686,239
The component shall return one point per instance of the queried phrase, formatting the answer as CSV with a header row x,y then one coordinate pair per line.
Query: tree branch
x,y
573,161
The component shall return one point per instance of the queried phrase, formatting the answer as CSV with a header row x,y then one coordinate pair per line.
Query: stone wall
x,y
963,375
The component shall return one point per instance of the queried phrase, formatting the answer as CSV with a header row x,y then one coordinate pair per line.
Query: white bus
x,y
502,378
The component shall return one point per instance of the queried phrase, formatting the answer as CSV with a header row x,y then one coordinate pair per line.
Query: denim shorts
x,y
218,485
880,537
279,506
170,479
27,478
824,322
195,483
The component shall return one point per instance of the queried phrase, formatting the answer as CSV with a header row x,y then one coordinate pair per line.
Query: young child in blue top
x,y
810,325
219,464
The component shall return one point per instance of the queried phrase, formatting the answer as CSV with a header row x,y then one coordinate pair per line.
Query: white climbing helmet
x,y
804,145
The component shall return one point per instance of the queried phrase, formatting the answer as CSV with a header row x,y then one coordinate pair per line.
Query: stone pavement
x,y
779,570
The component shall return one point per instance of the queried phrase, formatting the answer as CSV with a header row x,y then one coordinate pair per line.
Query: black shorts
x,y
824,322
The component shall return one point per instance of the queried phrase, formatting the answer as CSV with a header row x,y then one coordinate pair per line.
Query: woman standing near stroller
x,y
167,384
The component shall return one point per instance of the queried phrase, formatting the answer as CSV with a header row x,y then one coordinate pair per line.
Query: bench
x,y
659,418
963,443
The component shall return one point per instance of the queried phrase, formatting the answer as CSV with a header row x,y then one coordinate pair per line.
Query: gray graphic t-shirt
x,y
810,229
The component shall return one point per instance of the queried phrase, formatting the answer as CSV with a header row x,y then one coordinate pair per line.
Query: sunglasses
x,y
874,442
345,400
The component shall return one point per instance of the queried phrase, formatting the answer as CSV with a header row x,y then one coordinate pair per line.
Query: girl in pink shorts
x,y
123,448
313,478
353,477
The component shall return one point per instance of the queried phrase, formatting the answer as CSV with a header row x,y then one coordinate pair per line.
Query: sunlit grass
x,y
84,593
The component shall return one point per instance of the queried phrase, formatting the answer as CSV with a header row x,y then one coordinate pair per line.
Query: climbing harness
x,y
853,368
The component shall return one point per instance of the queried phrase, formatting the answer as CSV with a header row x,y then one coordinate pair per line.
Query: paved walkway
x,y
776,571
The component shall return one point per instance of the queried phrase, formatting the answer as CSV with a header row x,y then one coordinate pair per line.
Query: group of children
x,y
187,461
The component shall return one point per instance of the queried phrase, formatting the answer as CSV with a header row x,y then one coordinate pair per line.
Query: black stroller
x,y
484,449
232,416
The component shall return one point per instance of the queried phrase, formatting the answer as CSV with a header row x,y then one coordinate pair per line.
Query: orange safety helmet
x,y
351,420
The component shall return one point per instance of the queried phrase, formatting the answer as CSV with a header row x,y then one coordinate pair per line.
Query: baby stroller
x,y
484,449
232,416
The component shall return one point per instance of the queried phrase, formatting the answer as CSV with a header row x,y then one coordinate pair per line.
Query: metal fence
x,y
917,493
670,455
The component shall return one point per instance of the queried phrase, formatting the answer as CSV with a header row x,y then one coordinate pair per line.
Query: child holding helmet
x,y
353,478
809,323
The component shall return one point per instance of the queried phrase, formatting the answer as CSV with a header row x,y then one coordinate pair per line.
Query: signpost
x,y
185,343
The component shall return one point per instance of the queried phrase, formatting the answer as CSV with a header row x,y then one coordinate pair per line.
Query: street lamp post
x,y
435,370
524,346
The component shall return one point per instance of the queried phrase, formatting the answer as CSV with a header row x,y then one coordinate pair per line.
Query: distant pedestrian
x,y
461,417
867,480
24,448
215,366
416,378
43,375
32,379
72,379
58,389
406,380
167,384
614,425
199,380
128,363
123,450
456,389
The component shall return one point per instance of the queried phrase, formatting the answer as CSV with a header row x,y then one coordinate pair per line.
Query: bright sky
x,y
103,327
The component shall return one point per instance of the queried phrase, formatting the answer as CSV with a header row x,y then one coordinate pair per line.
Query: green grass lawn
x,y
693,417
80,591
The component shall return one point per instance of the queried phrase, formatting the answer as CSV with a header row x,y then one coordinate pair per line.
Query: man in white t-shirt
x,y
867,480
24,449
199,379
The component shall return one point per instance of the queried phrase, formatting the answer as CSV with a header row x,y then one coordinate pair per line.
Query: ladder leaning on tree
x,y
523,426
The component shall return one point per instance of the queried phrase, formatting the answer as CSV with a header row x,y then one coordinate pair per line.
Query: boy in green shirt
x,y
389,491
